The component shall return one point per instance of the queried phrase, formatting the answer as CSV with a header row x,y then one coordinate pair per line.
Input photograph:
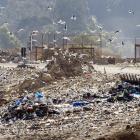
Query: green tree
x,y
8,39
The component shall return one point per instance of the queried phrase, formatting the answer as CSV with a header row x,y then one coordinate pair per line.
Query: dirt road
x,y
114,69
14,65
110,69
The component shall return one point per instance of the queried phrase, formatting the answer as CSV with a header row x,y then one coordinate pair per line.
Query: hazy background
x,y
114,15
23,16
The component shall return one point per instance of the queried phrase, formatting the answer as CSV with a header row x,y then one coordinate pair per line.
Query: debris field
x,y
51,103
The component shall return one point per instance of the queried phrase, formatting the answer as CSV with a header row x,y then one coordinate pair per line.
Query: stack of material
x,y
34,83
84,110
124,92
66,65
26,107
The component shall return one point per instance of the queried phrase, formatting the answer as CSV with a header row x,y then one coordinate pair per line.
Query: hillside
x,y
23,16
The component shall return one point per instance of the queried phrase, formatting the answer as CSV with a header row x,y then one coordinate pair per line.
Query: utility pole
x,y
54,40
48,39
64,34
31,44
100,35
42,39
36,53
135,50
82,44
43,36
63,41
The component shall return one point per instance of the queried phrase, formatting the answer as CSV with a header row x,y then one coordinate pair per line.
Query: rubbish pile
x,y
12,78
8,55
65,64
36,105
26,107
124,92
16,81
74,108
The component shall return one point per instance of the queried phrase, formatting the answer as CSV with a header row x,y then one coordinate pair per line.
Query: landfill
x,y
51,103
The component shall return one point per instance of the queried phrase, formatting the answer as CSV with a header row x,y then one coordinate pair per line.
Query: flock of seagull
x,y
74,18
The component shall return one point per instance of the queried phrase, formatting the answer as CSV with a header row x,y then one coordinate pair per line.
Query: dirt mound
x,y
66,65
32,84
131,133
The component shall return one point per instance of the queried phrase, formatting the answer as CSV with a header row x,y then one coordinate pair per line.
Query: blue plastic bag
x,y
80,103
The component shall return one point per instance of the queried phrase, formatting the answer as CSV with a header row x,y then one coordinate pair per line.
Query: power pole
x,y
100,35
54,40
31,44
135,51
63,41
36,53
42,39
82,44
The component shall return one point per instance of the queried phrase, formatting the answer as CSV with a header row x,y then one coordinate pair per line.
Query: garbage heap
x,y
124,92
35,82
62,65
7,55
20,80
66,64
14,81
26,107
83,110
35,104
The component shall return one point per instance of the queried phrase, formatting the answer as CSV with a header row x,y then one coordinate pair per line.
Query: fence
x,y
77,43
121,47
